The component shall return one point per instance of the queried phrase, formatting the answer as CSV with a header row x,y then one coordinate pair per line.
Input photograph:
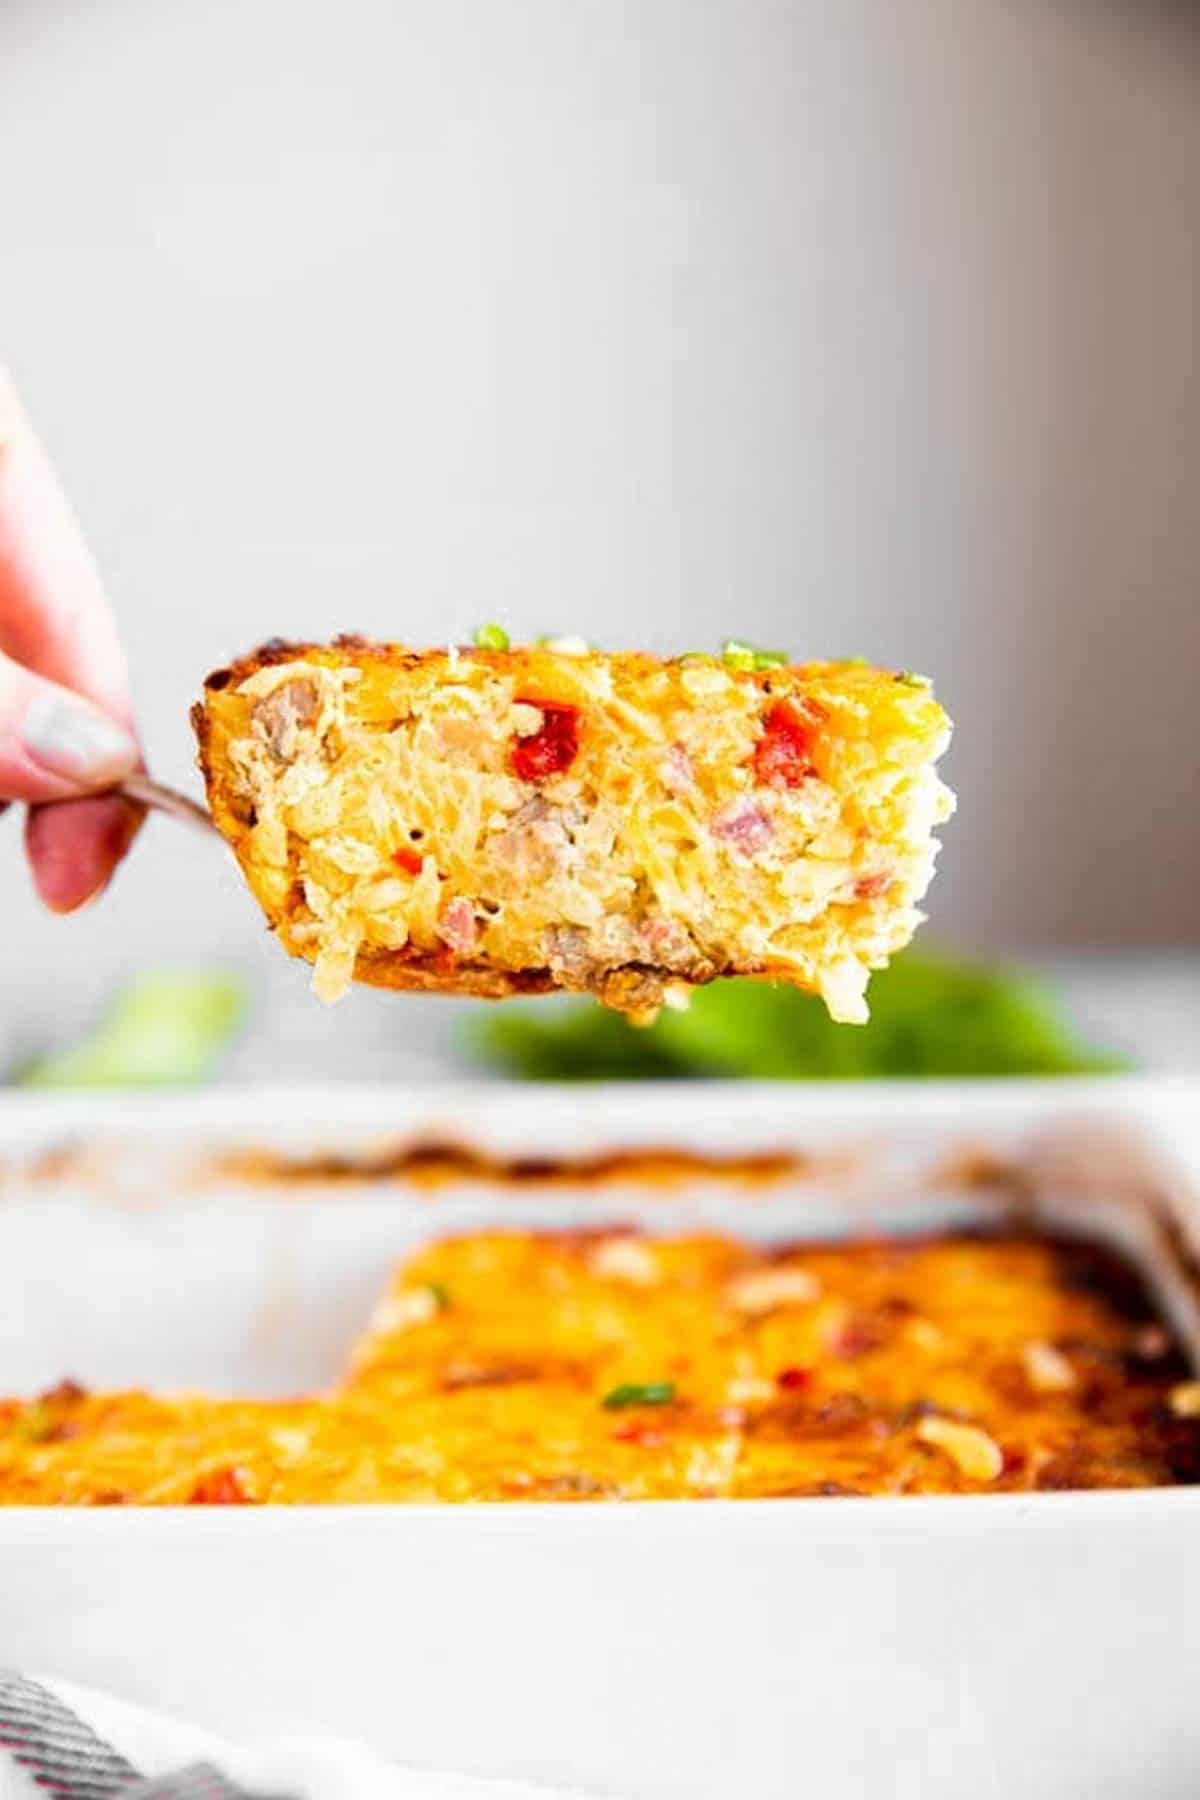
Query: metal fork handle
x,y
144,792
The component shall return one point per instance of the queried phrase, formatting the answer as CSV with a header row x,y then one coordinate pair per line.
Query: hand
x,y
66,729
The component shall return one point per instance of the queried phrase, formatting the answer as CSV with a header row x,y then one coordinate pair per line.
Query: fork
x,y
152,794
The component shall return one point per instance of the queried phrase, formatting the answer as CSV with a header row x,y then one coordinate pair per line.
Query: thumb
x,y
54,745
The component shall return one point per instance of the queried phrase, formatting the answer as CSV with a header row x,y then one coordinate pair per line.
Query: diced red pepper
x,y
553,747
220,1487
411,861
793,1379
645,1435
783,756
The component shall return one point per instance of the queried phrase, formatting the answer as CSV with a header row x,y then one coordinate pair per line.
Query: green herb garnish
x,y
639,1393
491,637
694,656
441,1295
909,678
737,655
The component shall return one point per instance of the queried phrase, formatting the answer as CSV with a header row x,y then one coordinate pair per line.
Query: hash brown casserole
x,y
496,821
615,1366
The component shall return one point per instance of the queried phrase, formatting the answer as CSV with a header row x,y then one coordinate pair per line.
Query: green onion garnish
x,y
638,1393
694,656
491,637
910,679
441,1295
737,655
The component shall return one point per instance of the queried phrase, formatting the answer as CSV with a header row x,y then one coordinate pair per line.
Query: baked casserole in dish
x,y
617,1366
832,1291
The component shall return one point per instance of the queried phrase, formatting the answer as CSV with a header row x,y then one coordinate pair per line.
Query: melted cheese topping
x,y
506,1366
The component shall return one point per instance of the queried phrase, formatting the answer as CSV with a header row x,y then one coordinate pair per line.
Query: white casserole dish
x,y
1044,1645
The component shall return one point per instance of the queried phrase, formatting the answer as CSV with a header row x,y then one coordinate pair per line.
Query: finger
x,y
73,848
53,744
54,617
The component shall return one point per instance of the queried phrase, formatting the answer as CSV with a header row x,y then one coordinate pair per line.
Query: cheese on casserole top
x,y
507,1366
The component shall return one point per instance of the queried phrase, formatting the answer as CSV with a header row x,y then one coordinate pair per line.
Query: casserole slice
x,y
505,821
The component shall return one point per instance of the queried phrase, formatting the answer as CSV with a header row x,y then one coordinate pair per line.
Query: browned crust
x,y
282,650
202,726
433,1164
630,987
430,972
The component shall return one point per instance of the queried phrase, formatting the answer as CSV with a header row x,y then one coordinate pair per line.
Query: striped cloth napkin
x,y
69,1743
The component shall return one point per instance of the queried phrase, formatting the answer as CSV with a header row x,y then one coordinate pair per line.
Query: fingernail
x,y
69,738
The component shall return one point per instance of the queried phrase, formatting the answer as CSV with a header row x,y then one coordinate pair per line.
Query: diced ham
x,y
458,928
567,950
870,887
666,943
676,770
532,812
280,716
535,841
744,825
